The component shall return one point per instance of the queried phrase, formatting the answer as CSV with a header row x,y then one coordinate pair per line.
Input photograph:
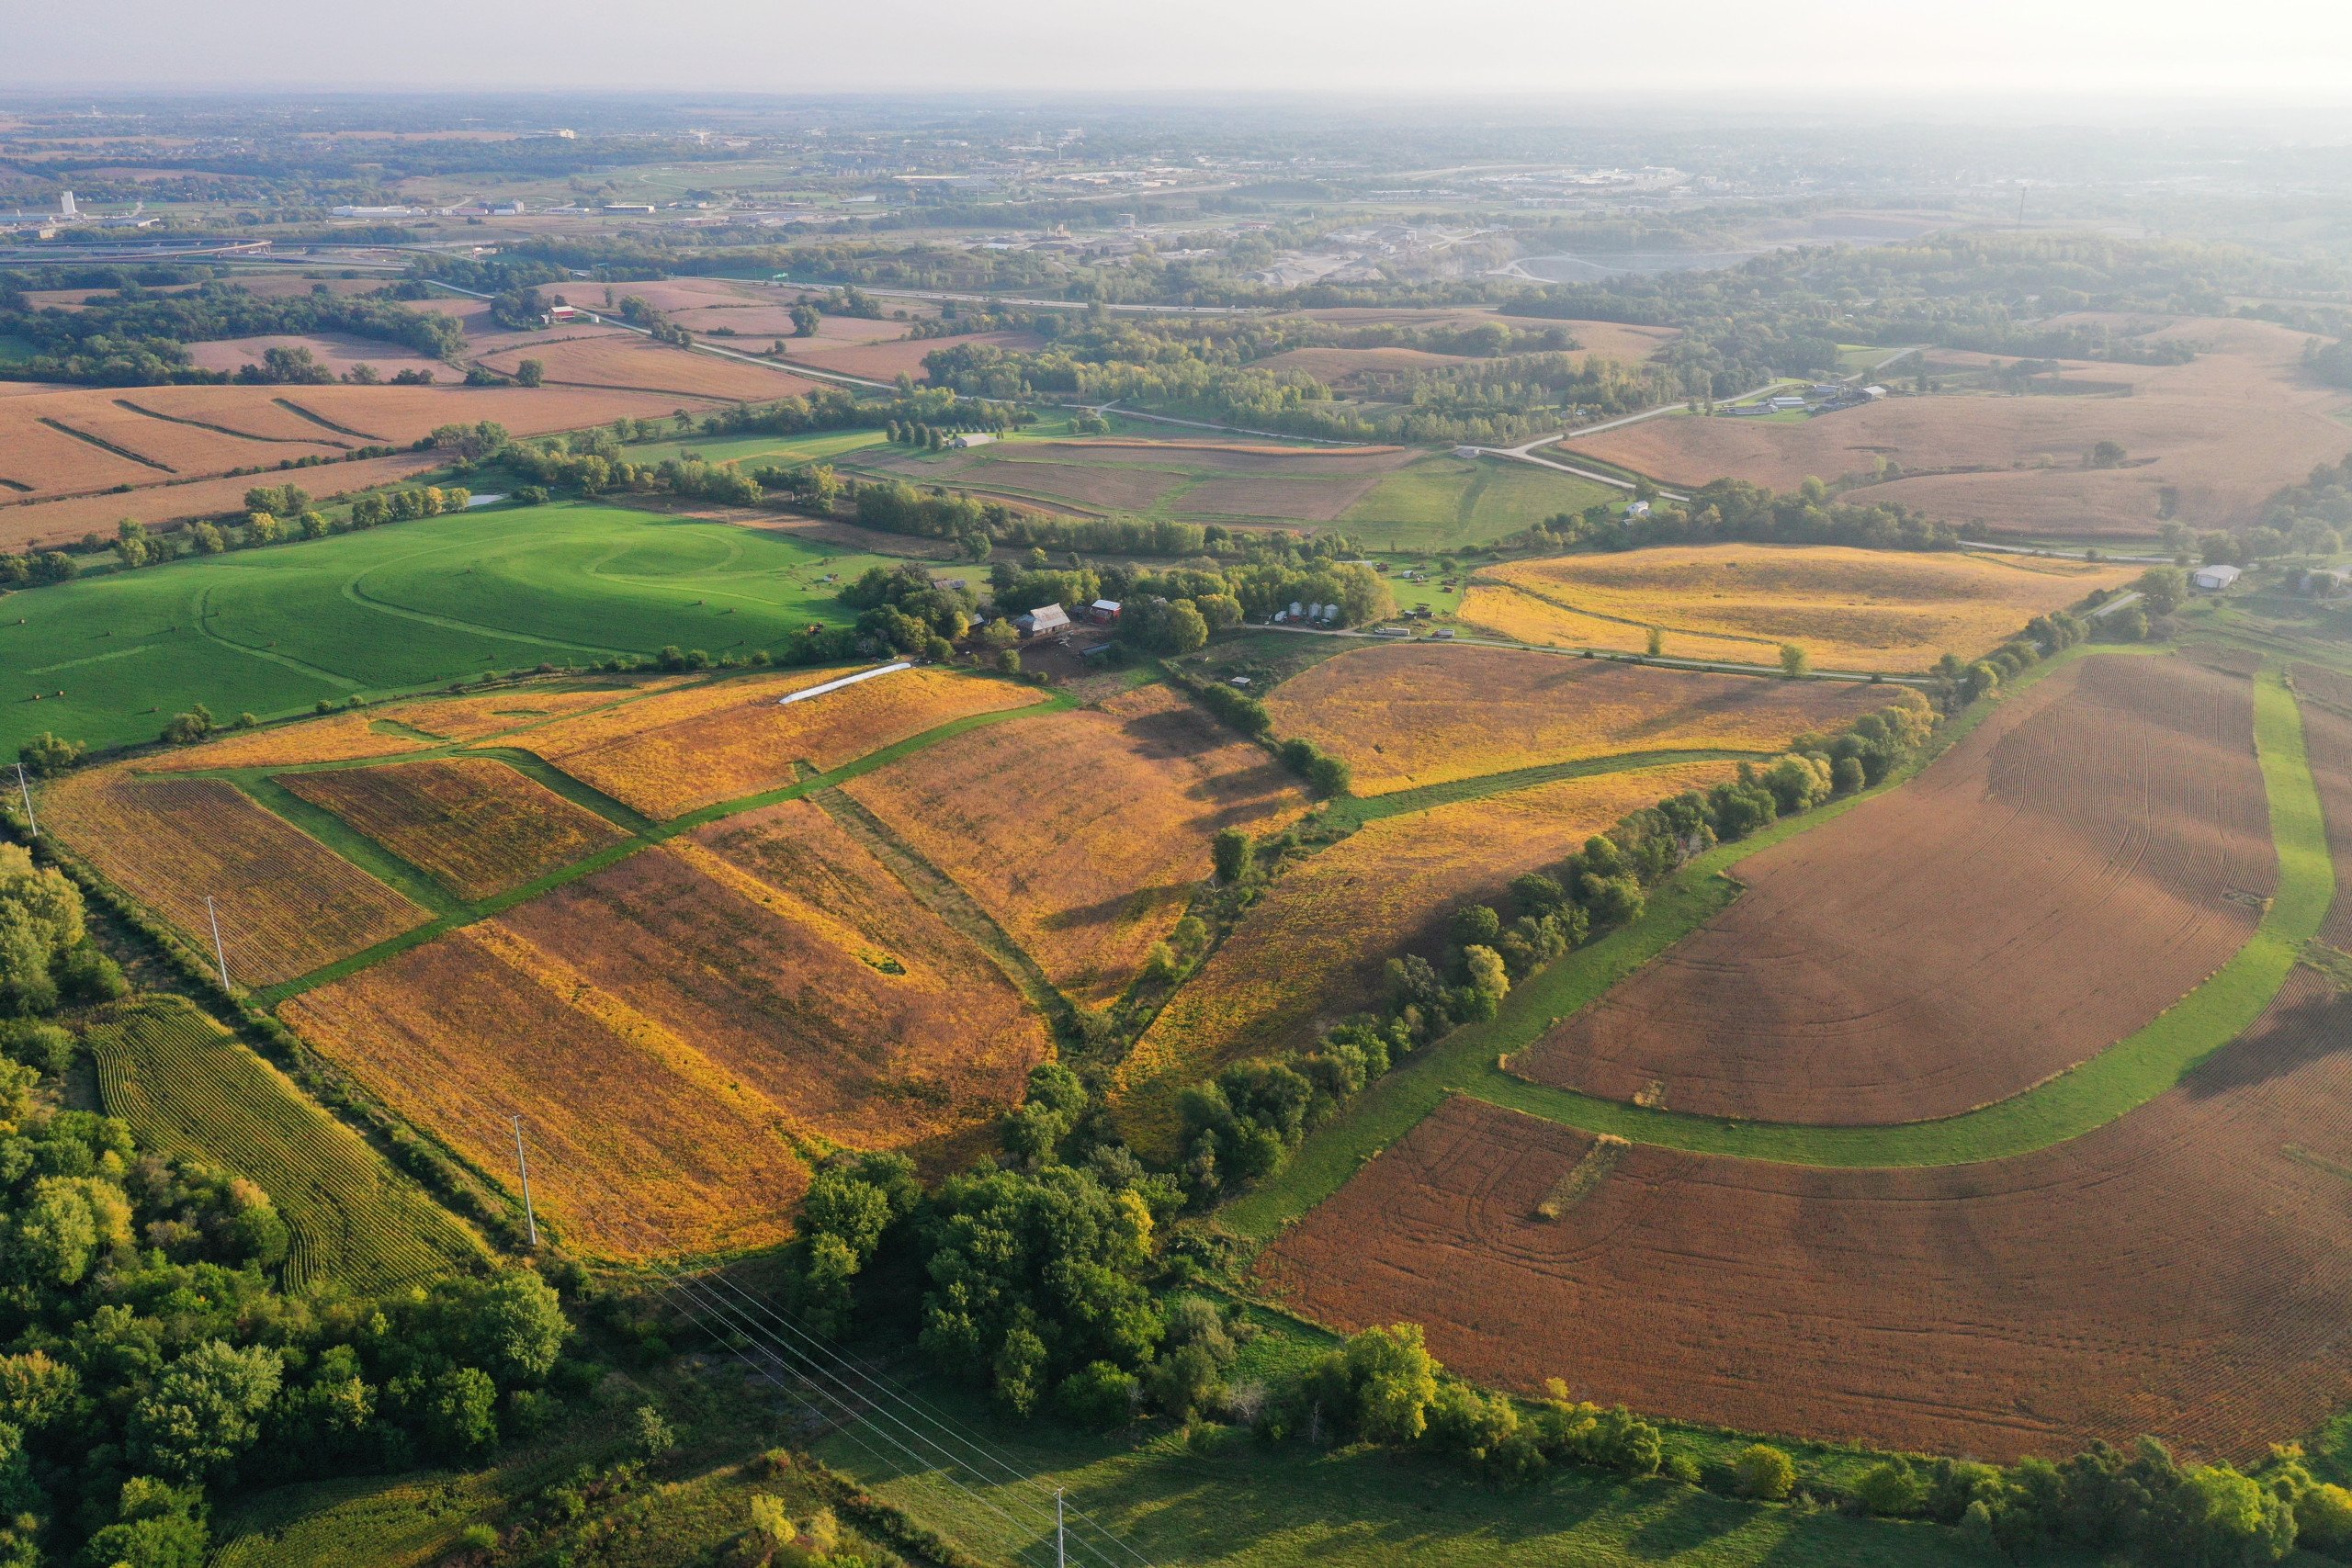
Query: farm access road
x,y
1525,451
1661,660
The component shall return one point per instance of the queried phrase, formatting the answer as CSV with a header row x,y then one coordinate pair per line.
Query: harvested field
x,y
2089,854
1085,877
492,713
1094,486
704,744
1518,613
902,356
1851,609
37,458
2220,434
478,826
627,1122
337,351
1413,716
176,446
640,364
286,904
187,1087
335,738
801,970
400,414
50,524
2184,1271
1308,498
1315,948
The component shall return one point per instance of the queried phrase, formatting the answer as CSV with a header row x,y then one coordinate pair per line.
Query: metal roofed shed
x,y
2213,579
1043,621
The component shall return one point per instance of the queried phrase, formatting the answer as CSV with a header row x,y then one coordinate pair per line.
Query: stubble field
x,y
1878,610
1314,950
476,826
286,904
1083,833
1406,718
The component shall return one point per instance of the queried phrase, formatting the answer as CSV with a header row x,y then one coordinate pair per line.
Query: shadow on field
x,y
2309,1021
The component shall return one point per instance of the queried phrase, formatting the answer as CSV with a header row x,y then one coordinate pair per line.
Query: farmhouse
x,y
1043,621
2213,579
563,313
1636,508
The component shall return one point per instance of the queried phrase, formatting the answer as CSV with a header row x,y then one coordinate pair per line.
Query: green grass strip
x,y
2120,1079
452,914
1352,812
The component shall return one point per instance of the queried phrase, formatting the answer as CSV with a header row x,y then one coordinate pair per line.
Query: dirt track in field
x,y
2091,853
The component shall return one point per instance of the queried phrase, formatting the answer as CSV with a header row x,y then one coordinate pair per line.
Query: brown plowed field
x,y
1101,487
626,1122
1413,716
122,419
478,826
50,524
1084,833
2089,854
640,364
1310,498
1315,948
2221,433
672,753
2185,1271
288,905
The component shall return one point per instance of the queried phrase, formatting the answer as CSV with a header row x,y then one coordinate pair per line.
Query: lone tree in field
x,y
1795,660
2105,455
1230,850
530,373
1657,641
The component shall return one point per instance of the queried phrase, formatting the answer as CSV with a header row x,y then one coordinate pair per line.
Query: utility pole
x,y
219,956
530,1222
26,790
1061,1557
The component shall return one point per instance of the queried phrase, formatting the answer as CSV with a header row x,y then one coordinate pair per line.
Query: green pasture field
x,y
1220,1499
1437,501
410,604
1444,503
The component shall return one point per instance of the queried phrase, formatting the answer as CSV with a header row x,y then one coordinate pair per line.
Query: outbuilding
x,y
1043,621
1103,612
2213,579
969,439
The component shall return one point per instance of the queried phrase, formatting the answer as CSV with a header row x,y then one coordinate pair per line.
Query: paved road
x,y
2067,554
1668,660
962,299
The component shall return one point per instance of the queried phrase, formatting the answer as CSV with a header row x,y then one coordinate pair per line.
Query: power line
x,y
810,1359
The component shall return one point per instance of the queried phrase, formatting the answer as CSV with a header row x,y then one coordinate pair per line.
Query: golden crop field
x,y
1424,714
479,827
288,905
1314,949
1516,613
1084,832
1895,610
486,713
691,748
640,1143
344,737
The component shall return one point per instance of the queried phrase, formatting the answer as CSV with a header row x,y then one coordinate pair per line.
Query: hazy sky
x,y
1572,49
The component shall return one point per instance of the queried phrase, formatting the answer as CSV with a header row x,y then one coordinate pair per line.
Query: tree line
x,y
137,336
